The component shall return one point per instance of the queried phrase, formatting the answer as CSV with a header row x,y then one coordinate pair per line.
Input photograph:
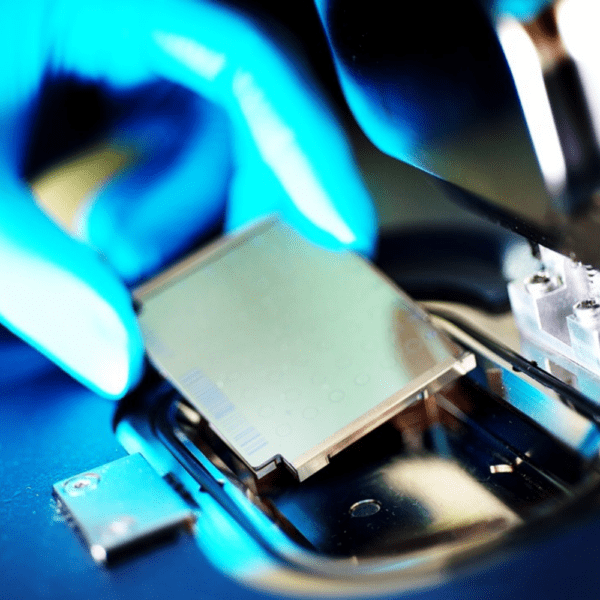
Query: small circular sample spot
x,y
336,396
310,413
362,379
343,362
318,379
365,508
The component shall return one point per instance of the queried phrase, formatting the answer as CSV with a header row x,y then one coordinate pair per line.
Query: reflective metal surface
x,y
122,507
459,476
557,312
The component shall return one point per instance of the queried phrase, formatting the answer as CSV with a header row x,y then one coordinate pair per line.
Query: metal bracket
x,y
122,507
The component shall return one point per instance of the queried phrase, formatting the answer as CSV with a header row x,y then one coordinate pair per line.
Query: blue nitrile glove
x,y
525,10
414,83
261,137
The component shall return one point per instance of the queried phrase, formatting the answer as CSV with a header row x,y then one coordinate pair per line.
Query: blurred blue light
x,y
524,10
56,294
262,118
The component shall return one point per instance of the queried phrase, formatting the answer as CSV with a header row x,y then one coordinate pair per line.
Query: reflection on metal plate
x,y
291,352
121,506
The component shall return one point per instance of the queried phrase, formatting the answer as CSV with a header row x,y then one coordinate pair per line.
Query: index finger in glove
x,y
225,58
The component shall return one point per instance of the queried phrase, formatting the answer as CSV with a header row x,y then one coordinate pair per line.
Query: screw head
x,y
541,283
81,484
365,508
587,311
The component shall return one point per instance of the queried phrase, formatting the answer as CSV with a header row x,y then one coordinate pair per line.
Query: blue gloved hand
x,y
524,10
260,137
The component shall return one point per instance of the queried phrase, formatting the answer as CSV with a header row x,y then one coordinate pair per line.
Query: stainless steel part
x,y
552,56
122,506
556,309
291,352
490,461
544,406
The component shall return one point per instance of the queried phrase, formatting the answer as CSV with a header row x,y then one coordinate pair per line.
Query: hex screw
x,y
541,283
587,312
81,484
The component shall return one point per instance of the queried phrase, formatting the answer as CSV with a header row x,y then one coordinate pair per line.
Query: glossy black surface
x,y
429,85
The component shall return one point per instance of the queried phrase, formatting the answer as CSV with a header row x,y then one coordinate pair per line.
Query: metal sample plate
x,y
291,352
122,506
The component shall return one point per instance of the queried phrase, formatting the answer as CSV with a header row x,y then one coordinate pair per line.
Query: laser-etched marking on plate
x,y
288,350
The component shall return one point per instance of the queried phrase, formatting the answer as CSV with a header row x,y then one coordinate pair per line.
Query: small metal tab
x,y
122,506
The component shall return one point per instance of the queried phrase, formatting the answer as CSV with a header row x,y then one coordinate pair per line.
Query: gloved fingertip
x,y
79,315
